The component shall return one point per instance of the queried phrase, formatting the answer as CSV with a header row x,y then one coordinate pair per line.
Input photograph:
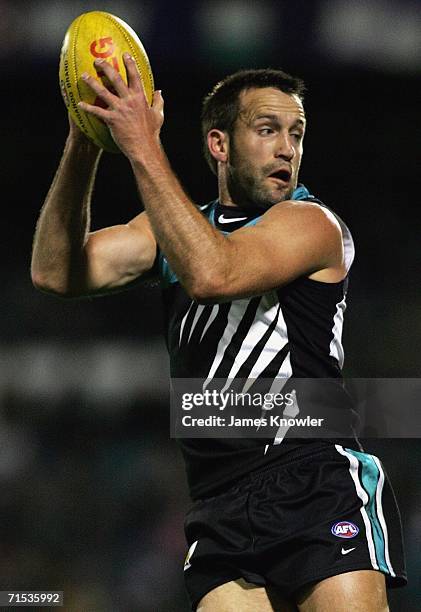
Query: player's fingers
x,y
97,111
114,77
158,100
99,89
158,103
133,77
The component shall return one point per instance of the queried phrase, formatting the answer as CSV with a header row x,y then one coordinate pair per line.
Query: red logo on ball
x,y
101,43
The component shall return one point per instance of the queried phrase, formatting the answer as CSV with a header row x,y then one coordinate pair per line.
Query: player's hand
x,y
134,125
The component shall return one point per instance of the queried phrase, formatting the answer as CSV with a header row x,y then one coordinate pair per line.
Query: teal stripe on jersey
x,y
370,477
301,193
166,275
212,213
252,222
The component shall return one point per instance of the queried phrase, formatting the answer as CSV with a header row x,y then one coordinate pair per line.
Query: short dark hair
x,y
220,107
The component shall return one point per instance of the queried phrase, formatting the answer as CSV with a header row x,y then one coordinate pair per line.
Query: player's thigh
x,y
357,591
239,595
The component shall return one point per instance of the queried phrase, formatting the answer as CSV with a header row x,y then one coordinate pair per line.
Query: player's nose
x,y
284,146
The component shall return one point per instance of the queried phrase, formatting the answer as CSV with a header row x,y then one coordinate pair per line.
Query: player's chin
x,y
264,197
279,195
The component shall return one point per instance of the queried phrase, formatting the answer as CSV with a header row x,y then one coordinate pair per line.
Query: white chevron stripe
x,y
183,322
199,311
283,375
212,316
191,550
353,470
264,317
235,316
289,412
382,521
336,348
278,383
276,342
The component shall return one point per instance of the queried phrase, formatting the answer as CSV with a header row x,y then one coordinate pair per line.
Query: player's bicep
x,y
285,244
118,255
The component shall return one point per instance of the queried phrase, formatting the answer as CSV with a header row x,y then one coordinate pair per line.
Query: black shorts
x,y
329,512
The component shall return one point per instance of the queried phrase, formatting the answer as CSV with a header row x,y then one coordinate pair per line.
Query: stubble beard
x,y
248,189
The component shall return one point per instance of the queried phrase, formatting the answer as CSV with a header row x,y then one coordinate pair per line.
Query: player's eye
x,y
297,135
265,131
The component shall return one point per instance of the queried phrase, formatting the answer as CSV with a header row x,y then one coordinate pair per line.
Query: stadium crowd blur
x,y
92,491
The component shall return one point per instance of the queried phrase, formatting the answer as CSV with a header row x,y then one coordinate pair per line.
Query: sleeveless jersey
x,y
290,333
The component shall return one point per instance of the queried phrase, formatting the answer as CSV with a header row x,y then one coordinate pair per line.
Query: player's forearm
x,y
58,256
194,249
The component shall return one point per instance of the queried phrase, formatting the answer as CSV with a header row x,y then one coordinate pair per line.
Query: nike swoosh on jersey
x,y
221,219
346,551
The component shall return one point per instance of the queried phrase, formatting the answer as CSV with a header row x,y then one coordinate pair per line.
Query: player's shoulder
x,y
303,212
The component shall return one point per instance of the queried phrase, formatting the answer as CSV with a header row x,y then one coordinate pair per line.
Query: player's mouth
x,y
282,176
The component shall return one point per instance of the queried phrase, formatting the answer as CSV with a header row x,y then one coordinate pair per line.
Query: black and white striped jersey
x,y
292,332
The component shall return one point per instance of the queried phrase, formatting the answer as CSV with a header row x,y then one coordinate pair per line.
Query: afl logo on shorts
x,y
345,529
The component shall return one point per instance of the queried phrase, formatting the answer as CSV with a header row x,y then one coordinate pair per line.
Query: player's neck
x,y
225,198
223,191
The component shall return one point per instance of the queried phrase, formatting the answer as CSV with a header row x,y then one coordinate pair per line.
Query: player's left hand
x,y
134,125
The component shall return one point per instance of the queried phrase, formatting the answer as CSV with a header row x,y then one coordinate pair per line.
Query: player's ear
x,y
218,143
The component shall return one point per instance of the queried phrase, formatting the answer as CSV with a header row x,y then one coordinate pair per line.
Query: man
x,y
254,288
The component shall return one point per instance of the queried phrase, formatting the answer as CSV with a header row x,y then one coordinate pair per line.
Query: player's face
x,y
266,147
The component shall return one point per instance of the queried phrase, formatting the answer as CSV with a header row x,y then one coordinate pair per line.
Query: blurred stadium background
x,y
92,488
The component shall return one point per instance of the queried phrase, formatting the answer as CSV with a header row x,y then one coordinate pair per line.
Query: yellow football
x,y
92,35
